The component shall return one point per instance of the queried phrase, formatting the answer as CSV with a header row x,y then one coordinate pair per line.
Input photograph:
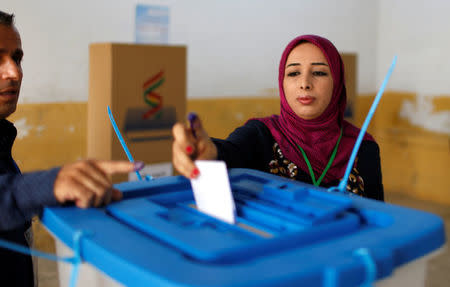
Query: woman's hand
x,y
191,144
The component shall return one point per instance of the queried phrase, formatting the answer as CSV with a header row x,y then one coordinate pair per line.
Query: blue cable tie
x,y
27,251
370,266
76,259
330,277
334,189
121,140
343,183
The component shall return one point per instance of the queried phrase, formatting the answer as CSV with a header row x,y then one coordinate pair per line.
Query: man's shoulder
x,y
7,125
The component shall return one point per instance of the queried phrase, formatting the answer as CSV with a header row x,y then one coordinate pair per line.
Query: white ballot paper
x,y
212,191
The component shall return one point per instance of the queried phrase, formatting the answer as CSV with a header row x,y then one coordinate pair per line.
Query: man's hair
x,y
6,19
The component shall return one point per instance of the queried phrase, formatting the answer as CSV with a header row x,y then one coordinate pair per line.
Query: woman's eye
x,y
319,73
293,74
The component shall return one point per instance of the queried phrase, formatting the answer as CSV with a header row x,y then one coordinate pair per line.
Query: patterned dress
x,y
282,166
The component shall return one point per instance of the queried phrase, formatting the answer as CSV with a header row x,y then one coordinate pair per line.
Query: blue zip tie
x,y
27,251
369,264
75,260
121,140
330,277
342,185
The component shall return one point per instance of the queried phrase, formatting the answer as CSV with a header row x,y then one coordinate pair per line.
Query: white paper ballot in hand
x,y
212,191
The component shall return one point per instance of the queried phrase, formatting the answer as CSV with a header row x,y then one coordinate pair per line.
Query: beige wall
x,y
49,134
414,160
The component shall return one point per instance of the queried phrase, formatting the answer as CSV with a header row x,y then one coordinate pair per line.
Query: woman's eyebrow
x,y
293,64
314,63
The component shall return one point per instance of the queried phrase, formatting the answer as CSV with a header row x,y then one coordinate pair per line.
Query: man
x,y
22,196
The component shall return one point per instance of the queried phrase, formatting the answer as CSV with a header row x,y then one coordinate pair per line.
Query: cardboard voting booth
x,y
287,233
350,65
145,86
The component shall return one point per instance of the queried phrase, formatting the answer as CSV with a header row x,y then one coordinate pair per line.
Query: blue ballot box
x,y
286,234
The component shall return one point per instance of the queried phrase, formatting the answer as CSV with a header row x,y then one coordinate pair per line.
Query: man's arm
x,y
85,183
23,196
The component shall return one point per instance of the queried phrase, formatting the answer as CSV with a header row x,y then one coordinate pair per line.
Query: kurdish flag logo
x,y
151,97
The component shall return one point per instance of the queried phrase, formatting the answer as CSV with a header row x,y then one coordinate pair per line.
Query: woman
x,y
309,141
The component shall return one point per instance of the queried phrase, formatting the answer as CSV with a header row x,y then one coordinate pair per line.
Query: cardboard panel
x,y
350,68
362,106
145,86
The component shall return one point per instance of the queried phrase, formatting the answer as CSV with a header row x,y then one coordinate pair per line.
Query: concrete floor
x,y
438,273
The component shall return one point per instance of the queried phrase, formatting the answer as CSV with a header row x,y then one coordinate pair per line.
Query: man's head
x,y
10,65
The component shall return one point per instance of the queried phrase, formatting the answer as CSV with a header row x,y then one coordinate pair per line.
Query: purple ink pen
x,y
192,117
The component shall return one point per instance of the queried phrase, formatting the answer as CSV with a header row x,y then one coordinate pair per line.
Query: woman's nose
x,y
305,83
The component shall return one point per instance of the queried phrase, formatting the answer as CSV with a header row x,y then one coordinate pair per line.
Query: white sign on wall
x,y
152,24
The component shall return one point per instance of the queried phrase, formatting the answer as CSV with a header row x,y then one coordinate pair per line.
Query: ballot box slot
x,y
259,215
243,223
252,221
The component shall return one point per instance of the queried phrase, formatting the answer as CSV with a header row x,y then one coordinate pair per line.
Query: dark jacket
x,y
22,196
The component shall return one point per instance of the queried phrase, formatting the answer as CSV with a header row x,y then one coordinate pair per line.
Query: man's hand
x,y
87,182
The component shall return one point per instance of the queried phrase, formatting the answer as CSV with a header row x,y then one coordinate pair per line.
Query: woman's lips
x,y
305,100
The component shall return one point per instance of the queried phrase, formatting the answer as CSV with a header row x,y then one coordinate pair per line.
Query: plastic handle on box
x,y
316,206
313,206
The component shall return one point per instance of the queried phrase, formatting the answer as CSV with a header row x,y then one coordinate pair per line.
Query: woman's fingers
x,y
182,161
190,144
184,138
205,148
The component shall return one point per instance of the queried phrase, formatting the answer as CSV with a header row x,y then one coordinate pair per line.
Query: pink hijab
x,y
318,136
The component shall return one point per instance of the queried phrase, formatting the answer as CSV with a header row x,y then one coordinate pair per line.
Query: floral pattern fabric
x,y
282,166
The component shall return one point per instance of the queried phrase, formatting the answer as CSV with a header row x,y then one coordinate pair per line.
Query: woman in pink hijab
x,y
309,141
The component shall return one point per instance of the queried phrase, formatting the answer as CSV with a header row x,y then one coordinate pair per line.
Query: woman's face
x,y
308,83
